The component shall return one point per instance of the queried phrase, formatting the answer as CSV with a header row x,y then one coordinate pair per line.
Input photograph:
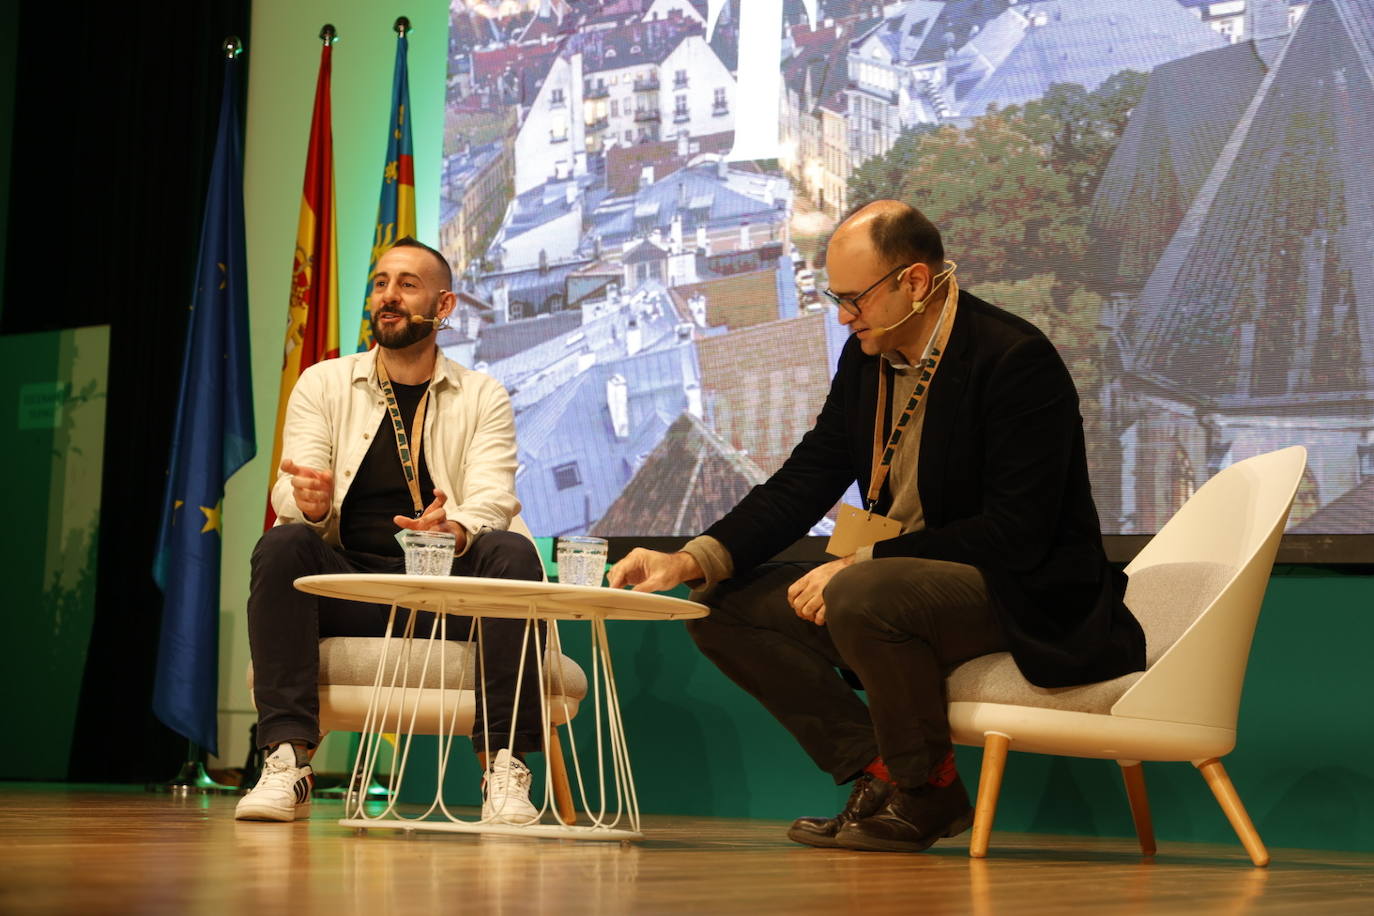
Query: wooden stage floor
x,y
74,850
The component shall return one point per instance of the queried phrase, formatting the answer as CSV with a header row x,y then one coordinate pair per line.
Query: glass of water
x,y
581,560
428,553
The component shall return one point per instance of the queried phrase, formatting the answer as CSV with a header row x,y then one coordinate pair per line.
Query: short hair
x,y
408,242
902,235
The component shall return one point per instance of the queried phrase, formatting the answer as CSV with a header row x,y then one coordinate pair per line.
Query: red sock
x,y
945,772
879,769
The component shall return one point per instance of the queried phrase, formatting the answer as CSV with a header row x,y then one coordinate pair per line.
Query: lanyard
x,y
928,363
410,454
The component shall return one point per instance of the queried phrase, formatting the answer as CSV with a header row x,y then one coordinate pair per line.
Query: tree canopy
x,y
1010,191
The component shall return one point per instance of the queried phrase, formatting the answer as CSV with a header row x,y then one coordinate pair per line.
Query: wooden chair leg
x,y
558,770
1134,775
1226,796
989,785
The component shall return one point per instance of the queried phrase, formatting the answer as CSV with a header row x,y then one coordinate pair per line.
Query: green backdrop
x,y
52,411
1304,762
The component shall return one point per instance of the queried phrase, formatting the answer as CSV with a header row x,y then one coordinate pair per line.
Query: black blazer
x,y
1003,480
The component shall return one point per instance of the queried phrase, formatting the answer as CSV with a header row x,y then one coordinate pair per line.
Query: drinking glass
x,y
428,553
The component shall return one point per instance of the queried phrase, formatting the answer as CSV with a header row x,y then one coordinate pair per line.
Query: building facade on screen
x,y
652,305
1234,220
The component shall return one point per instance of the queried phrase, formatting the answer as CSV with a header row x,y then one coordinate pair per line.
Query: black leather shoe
x,y
911,820
869,795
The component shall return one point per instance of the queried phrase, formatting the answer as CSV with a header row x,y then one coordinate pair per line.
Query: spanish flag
x,y
396,208
312,324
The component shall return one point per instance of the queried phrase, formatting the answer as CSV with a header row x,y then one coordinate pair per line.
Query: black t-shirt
x,y
379,492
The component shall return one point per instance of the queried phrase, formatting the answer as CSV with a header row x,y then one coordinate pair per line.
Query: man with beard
x,y
397,437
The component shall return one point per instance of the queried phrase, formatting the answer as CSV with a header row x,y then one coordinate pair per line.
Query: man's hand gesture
x,y
654,571
435,519
312,488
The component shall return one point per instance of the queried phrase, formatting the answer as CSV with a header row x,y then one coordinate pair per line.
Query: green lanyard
x,y
410,454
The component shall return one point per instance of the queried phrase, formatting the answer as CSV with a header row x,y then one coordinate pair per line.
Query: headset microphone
x,y
916,309
421,319
919,306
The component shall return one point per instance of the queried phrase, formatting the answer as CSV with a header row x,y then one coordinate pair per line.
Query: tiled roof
x,y
820,39
624,164
552,359
1357,20
461,168
1031,47
760,404
631,45
1188,111
1349,513
645,251
729,202
828,70
615,11
500,341
1264,299
740,301
573,425
479,102
530,278
488,63
922,32
689,481
599,268
538,206
473,31
553,17
725,42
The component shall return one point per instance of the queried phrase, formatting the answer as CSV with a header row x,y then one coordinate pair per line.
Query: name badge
x,y
855,528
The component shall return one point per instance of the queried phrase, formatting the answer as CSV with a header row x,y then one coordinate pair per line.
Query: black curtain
x,y
114,126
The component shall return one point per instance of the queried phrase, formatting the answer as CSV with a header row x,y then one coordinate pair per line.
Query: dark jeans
x,y
285,627
901,625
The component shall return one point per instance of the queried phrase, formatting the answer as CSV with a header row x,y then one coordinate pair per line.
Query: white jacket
x,y
469,440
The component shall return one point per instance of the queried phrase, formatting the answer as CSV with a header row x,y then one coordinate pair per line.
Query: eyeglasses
x,y
851,303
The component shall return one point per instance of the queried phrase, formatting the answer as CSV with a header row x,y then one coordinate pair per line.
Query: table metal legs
x,y
406,702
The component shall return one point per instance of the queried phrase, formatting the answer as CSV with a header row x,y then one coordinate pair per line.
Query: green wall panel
x,y
53,414
1304,762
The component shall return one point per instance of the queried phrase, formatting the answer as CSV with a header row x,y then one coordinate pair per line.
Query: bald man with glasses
x,y
978,534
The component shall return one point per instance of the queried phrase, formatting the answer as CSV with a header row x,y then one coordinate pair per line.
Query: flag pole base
x,y
192,780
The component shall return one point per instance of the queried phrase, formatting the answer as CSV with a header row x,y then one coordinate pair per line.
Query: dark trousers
x,y
285,627
900,625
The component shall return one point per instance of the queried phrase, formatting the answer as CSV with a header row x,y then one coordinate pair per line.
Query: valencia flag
x,y
396,207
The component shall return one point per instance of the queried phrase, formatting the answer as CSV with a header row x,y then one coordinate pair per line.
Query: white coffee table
x,y
531,602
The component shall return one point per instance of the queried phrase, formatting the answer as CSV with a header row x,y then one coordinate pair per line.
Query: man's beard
x,y
410,332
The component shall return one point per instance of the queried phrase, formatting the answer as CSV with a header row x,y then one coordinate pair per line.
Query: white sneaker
x,y
283,790
506,791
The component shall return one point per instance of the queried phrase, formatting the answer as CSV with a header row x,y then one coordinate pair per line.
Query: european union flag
x,y
213,438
